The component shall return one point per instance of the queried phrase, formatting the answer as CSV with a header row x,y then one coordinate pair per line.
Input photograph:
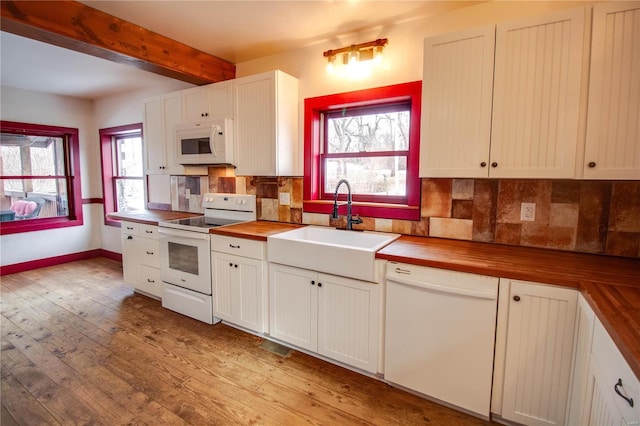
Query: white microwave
x,y
206,142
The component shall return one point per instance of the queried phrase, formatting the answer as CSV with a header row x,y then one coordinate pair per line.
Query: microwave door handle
x,y
214,130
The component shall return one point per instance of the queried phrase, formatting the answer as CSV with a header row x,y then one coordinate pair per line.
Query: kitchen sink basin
x,y
334,251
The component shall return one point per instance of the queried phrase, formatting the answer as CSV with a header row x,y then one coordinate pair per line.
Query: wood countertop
x,y
611,285
150,217
258,231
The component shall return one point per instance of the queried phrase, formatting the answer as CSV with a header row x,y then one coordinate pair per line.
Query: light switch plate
x,y
285,198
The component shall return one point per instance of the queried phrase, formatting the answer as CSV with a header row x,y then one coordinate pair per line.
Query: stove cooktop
x,y
198,223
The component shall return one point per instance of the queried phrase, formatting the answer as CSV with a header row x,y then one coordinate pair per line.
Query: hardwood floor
x,y
80,347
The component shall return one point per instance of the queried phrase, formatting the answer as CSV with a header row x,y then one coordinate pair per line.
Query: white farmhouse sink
x,y
334,251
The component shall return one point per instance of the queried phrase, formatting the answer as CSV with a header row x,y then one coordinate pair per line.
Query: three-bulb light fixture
x,y
354,59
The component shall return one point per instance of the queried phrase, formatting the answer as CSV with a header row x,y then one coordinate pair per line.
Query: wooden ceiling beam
x,y
81,28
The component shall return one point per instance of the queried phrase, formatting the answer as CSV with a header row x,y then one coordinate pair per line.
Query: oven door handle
x,y
170,232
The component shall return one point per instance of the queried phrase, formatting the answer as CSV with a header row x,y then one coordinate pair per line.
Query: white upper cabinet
x,y
538,72
161,114
613,127
456,97
208,102
266,125
512,112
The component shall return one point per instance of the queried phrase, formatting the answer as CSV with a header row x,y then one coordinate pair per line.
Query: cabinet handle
x,y
149,252
148,232
616,388
592,164
130,228
483,164
319,284
313,282
516,298
129,237
232,246
494,164
149,280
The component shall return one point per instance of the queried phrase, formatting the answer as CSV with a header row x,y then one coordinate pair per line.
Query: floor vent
x,y
275,348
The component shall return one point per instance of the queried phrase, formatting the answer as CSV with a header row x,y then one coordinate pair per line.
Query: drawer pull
x,y
616,388
403,271
149,280
148,232
149,252
232,246
129,237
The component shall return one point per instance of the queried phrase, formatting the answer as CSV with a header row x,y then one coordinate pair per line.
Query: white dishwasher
x,y
440,334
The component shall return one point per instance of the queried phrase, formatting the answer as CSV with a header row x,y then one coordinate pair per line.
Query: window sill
x,y
375,210
31,225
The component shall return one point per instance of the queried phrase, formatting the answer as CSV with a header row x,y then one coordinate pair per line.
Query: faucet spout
x,y
350,220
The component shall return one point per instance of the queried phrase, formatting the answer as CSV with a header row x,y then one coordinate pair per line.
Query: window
x,y
122,169
40,177
371,138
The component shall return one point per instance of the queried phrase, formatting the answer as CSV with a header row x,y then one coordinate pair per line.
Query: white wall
x,y
402,61
33,107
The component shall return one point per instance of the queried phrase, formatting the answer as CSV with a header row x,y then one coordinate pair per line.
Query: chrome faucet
x,y
350,220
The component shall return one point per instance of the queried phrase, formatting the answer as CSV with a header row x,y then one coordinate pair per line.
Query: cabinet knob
x,y
319,284
313,282
591,164
235,266
494,164
230,264
129,237
516,298
483,164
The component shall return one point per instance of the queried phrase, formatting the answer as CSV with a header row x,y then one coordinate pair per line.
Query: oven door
x,y
185,259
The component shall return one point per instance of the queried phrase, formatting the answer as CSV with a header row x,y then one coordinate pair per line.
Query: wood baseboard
x,y
57,260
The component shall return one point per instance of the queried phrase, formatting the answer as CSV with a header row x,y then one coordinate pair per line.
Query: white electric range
x,y
185,253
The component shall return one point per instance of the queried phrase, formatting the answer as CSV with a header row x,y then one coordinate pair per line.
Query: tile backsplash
x,y
575,215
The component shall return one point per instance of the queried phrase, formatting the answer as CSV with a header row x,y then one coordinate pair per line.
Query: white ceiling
x,y
236,31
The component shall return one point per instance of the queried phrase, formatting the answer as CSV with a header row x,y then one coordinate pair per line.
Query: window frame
x,y
107,140
315,108
324,154
71,143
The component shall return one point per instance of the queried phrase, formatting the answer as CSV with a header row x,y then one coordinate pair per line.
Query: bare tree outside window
x,y
369,147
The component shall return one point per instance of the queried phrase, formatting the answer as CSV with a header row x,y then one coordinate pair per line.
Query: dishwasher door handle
x,y
479,294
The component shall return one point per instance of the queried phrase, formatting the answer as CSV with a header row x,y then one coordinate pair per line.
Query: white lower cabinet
x,y
334,316
239,282
534,348
613,391
141,257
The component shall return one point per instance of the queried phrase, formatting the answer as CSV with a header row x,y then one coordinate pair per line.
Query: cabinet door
x,y
457,89
195,104
221,99
348,315
255,125
223,277
293,306
613,136
153,136
538,72
248,288
604,411
171,112
578,411
130,258
538,353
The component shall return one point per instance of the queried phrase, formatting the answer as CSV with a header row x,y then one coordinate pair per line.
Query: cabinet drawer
x,y
614,367
149,252
129,228
238,246
150,280
148,231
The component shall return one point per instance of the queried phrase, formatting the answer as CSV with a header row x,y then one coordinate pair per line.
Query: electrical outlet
x,y
285,198
528,212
